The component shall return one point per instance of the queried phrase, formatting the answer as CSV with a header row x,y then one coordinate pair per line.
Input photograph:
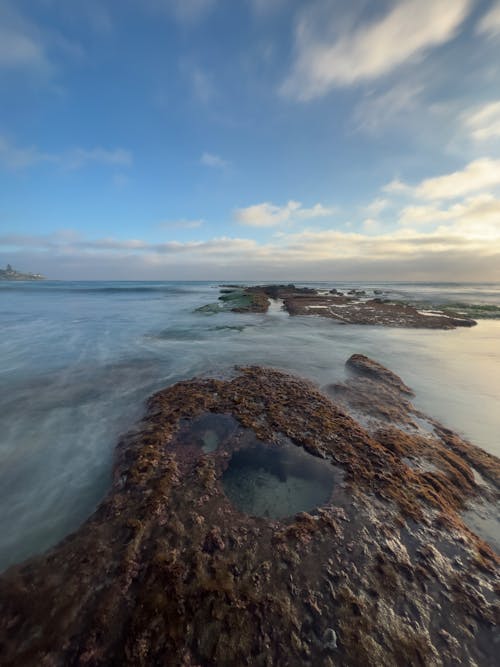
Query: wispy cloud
x,y
22,46
489,24
483,122
212,160
14,158
37,50
378,111
270,215
330,53
396,187
75,243
376,207
80,157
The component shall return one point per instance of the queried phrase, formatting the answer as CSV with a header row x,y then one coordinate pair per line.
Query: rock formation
x,y
192,559
351,308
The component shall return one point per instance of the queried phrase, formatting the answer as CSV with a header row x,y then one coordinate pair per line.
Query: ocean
x,y
78,360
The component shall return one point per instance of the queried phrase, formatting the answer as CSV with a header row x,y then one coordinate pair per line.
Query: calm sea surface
x,y
78,359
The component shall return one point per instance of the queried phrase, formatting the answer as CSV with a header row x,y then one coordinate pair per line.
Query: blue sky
x,y
251,139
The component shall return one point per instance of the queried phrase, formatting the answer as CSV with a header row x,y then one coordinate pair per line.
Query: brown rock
x,y
167,571
362,365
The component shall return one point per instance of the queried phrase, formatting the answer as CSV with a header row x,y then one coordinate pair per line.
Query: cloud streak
x,y
376,112
22,46
483,122
345,56
15,158
489,24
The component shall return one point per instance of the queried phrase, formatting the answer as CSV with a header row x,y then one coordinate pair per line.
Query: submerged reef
x,y
352,307
257,520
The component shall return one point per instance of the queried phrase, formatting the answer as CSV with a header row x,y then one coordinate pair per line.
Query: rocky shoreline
x,y
180,565
351,307
11,274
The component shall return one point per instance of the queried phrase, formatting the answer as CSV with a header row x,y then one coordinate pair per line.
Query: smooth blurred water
x,y
77,361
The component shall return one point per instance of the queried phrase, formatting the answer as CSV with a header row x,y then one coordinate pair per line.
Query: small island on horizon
x,y
11,274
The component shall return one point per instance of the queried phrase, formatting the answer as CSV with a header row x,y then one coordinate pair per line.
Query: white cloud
x,y
269,215
483,122
396,187
477,175
480,215
13,157
465,249
266,214
489,24
212,160
368,51
423,215
371,225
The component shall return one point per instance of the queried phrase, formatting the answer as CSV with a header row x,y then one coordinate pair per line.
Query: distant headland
x,y
11,274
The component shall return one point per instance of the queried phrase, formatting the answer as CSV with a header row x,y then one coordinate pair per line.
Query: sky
x,y
251,139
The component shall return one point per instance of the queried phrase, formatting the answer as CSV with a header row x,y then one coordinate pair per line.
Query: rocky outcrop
x,y
366,367
351,308
383,571
357,310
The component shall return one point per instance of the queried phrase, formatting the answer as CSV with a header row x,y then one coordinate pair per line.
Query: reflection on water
x,y
277,481
207,432
484,520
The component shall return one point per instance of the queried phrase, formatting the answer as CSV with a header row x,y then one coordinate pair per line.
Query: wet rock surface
x,y
355,309
352,307
237,300
168,571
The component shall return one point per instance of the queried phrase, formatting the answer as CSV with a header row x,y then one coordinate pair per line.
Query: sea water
x,y
78,360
